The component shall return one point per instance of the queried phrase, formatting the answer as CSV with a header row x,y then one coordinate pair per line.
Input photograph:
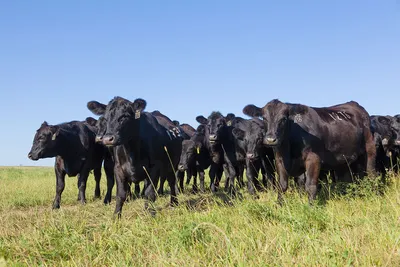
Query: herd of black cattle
x,y
287,139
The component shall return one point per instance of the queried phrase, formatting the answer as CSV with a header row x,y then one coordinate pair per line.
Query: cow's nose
x,y
181,167
213,137
108,140
30,155
269,140
250,155
99,139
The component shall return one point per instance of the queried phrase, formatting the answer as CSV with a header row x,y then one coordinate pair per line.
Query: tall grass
x,y
359,228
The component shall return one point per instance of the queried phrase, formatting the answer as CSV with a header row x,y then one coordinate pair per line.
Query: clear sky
x,y
188,58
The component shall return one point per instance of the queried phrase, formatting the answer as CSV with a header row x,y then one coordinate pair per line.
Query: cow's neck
x,y
127,156
283,152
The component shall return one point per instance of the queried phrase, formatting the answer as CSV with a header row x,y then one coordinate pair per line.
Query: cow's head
x,y
395,126
275,115
190,149
215,126
45,142
250,140
120,120
387,134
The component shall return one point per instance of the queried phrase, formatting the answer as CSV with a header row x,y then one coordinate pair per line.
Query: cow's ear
x,y
96,107
238,134
200,119
91,121
55,131
252,111
201,129
176,123
44,124
297,109
230,116
384,120
139,104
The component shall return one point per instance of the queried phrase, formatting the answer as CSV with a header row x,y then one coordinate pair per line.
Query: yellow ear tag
x,y
137,114
54,136
198,150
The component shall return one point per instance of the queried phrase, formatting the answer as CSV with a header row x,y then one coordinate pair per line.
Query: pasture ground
x,y
360,228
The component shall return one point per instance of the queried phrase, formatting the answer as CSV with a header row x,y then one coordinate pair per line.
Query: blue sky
x,y
188,58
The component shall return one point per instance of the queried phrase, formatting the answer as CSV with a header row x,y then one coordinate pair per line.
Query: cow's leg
x,y
161,188
150,193
251,173
109,170
97,177
240,175
268,170
371,152
201,178
82,180
180,175
60,185
283,179
313,166
137,190
227,175
145,184
171,182
129,194
193,172
122,189
212,174
188,175
77,185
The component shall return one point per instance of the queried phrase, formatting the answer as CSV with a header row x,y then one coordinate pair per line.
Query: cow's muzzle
x,y
270,141
32,156
181,167
109,140
98,139
385,141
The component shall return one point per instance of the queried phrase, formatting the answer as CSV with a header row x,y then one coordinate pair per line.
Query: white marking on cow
x,y
229,123
332,116
344,115
298,118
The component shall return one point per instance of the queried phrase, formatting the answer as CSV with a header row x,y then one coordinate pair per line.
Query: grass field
x,y
360,228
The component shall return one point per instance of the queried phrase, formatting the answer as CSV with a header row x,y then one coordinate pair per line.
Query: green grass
x,y
361,228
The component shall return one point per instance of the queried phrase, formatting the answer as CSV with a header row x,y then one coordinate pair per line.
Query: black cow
x,y
220,143
173,132
249,136
307,139
73,145
196,158
395,126
141,146
385,138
